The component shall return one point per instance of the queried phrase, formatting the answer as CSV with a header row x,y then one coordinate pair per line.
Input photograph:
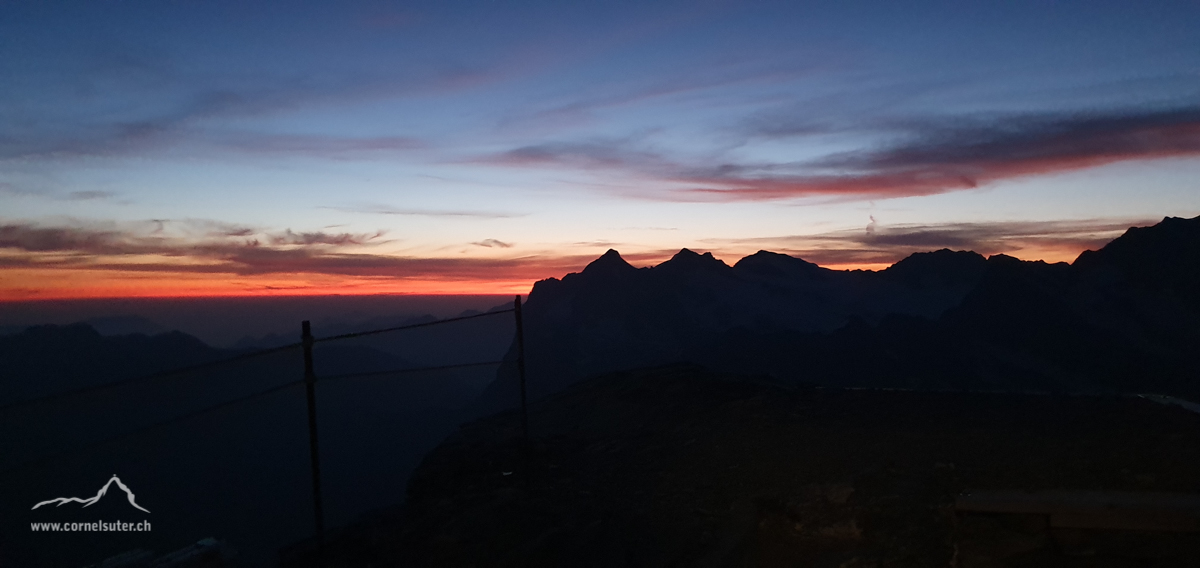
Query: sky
x,y
184,148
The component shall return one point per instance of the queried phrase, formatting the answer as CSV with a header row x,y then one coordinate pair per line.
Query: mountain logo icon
x,y
92,500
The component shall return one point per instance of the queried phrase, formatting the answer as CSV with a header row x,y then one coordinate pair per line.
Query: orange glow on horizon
x,y
59,284
32,284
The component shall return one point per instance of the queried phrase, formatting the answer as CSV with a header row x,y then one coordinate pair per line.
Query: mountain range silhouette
x,y
1119,319
60,501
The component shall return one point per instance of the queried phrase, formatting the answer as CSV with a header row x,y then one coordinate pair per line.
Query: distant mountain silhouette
x,y
124,325
1121,318
50,358
480,339
105,325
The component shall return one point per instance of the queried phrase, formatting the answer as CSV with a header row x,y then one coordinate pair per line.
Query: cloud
x,y
381,209
169,103
322,238
235,232
595,244
93,195
961,153
710,80
87,140
886,244
336,147
30,238
925,157
188,237
198,247
177,248
89,195
1042,141
190,228
162,132
490,243
597,154
993,237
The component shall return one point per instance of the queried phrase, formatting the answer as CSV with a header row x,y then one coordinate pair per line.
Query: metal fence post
x,y
310,382
521,374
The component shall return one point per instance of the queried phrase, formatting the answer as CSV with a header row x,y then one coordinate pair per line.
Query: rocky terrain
x,y
680,467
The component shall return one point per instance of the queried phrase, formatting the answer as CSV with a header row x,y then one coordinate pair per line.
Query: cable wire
x,y
202,366
140,378
400,371
428,323
156,426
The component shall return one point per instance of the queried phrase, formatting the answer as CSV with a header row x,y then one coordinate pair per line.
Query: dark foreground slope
x,y
678,467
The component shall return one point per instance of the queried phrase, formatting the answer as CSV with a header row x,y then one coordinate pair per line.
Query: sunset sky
x,y
186,148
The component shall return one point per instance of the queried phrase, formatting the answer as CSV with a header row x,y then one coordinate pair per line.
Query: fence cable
x,y
411,326
400,371
141,378
156,426
214,408
203,366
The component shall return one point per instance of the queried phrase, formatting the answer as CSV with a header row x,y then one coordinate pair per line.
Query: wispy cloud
x,y
381,209
711,80
617,154
879,243
85,195
925,157
142,248
171,103
593,244
324,146
322,238
90,195
82,240
164,132
962,153
492,243
283,258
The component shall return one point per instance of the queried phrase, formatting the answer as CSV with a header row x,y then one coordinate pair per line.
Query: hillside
x,y
680,467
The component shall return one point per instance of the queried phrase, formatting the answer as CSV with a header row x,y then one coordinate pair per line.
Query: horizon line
x,y
524,289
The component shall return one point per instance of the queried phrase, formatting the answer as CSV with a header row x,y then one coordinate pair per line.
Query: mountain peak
x,y
776,265
942,267
609,264
611,254
1004,259
1166,254
689,259
768,255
